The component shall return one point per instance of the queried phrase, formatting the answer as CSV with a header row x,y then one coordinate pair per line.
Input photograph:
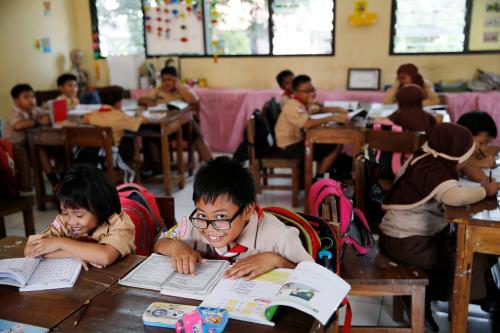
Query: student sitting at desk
x,y
484,130
69,90
285,81
294,118
23,116
413,230
228,224
169,90
91,226
410,115
407,74
111,115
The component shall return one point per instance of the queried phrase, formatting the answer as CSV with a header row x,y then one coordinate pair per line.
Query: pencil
x,y
82,312
490,175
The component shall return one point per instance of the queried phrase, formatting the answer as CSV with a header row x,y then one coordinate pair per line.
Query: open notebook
x,y
31,274
156,273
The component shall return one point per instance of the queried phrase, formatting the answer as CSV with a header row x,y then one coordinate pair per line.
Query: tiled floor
x,y
367,311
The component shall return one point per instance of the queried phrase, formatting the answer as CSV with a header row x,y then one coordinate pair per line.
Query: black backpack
x,y
263,140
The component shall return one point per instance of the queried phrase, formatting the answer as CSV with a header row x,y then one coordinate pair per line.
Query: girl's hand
x,y
85,265
44,246
491,189
184,258
255,265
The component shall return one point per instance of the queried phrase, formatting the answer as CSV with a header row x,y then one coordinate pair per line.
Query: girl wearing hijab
x,y
410,115
413,230
408,74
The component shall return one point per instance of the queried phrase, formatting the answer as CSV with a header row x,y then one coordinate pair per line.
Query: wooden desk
x,y
477,231
114,308
47,308
171,123
120,309
347,135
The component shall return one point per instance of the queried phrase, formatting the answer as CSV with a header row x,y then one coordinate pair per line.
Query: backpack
x,y
354,228
9,187
263,140
140,205
272,110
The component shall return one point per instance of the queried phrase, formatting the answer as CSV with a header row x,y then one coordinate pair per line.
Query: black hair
x,y
18,89
224,176
169,70
477,122
85,186
111,95
300,80
61,80
282,75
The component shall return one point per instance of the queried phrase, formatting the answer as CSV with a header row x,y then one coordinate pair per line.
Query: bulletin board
x,y
484,32
173,27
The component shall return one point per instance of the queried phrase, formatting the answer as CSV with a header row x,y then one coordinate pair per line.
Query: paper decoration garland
x,y
361,16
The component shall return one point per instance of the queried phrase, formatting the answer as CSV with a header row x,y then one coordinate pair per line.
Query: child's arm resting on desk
x,y
96,253
342,118
257,264
184,258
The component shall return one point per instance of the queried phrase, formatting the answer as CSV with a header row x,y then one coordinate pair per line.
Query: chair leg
x,y
29,222
264,176
2,228
295,186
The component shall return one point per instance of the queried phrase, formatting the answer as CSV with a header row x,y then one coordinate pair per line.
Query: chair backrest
x,y
92,137
23,169
43,96
401,142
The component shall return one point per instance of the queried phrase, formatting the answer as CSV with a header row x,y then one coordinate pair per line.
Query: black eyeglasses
x,y
219,224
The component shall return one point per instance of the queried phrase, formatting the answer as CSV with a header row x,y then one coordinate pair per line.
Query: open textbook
x,y
39,274
156,273
309,287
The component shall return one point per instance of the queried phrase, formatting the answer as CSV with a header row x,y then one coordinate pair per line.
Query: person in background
x,y
410,115
285,81
68,87
484,130
408,74
25,115
294,118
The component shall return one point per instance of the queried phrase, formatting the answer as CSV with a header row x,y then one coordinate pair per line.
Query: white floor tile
x,y
363,313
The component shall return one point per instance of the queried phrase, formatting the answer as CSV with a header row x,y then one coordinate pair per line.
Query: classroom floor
x,y
367,311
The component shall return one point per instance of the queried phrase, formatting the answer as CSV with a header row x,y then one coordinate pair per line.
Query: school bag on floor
x,y
319,238
140,205
354,228
8,182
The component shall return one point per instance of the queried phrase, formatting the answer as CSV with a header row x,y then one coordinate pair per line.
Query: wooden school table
x,y
478,230
113,308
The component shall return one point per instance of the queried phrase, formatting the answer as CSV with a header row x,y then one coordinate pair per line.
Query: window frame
x,y
467,27
95,29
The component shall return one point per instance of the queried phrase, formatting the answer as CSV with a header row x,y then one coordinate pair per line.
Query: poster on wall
x,y
173,27
485,26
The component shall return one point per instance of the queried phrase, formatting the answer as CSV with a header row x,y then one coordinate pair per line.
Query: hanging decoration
x,y
361,16
47,11
217,44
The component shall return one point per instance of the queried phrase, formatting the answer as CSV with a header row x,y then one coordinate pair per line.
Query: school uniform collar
x,y
248,236
106,108
298,100
287,94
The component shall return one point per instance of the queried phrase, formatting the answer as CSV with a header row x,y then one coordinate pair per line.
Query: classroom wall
x,y
69,26
21,22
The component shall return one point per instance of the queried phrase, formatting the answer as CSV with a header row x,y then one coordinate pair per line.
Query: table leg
x,y
461,285
180,158
165,159
308,166
417,308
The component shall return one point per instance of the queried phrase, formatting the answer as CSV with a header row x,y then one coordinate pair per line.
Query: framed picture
x,y
363,79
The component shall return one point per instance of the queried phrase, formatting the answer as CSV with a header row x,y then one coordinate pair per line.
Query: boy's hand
x,y
184,258
255,265
491,188
488,162
44,246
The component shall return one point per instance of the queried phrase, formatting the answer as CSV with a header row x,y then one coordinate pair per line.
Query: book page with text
x,y
17,271
150,274
54,274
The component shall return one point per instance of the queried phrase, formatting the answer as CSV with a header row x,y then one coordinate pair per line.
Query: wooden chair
x,y
263,167
93,137
377,275
387,141
42,138
24,203
167,210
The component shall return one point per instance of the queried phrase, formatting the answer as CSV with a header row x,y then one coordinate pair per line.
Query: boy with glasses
x,y
228,224
294,118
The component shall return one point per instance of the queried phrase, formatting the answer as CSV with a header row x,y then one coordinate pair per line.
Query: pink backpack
x,y
397,159
140,205
354,229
